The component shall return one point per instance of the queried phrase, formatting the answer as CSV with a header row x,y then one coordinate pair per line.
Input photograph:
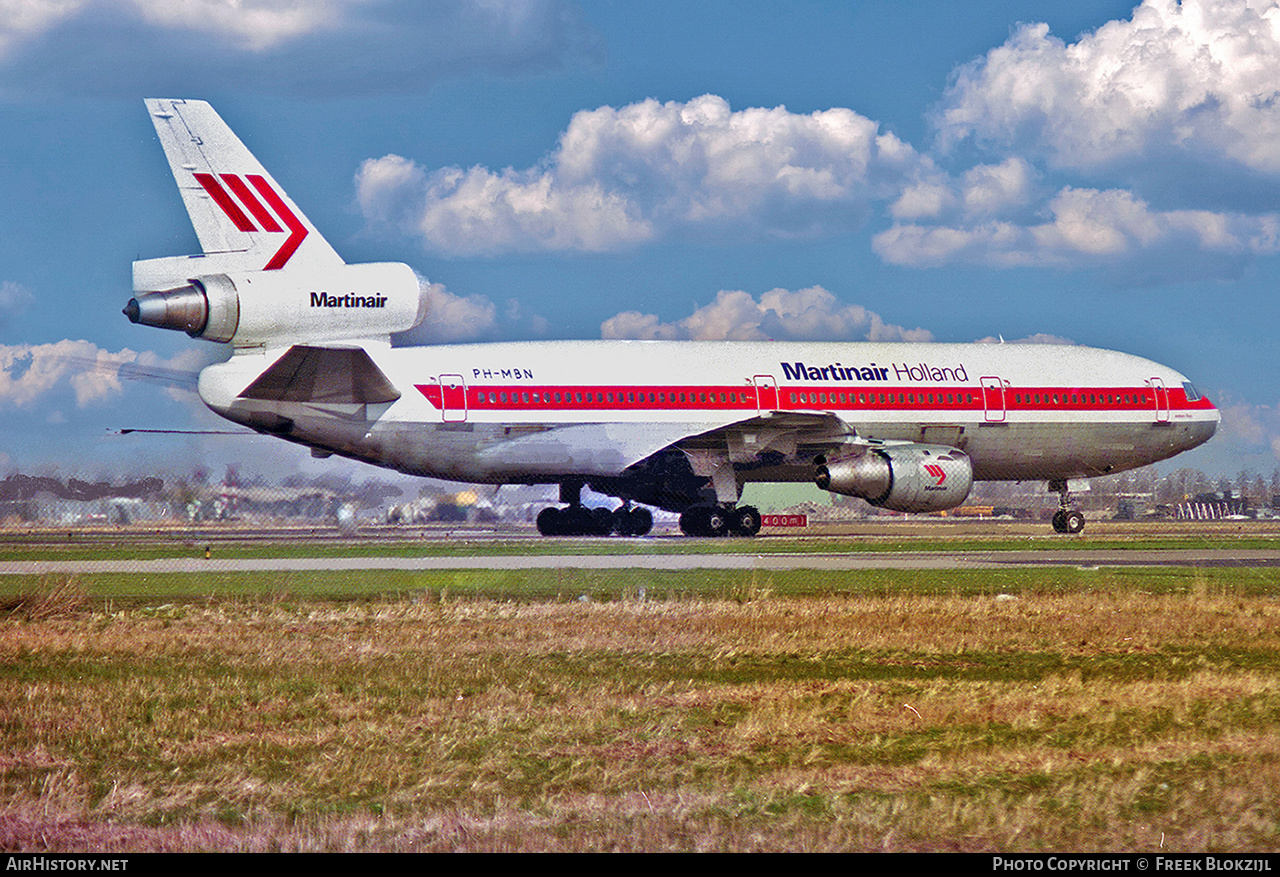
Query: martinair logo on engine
x,y
241,190
937,472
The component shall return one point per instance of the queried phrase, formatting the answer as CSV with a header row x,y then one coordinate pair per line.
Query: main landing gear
x,y
1065,519
578,520
718,520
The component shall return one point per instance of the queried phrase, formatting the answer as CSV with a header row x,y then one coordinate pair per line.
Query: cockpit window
x,y
1193,394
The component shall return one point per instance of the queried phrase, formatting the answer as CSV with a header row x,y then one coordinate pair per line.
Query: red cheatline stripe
x,y
295,225
247,198
229,207
740,397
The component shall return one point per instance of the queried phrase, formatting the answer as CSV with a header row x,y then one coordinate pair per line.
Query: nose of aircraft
x,y
1200,431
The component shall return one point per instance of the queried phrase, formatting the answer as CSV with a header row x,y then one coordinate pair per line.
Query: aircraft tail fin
x,y
239,211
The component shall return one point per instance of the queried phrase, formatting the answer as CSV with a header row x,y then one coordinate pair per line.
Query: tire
x,y
576,520
717,521
1059,521
1073,522
550,522
704,520
639,522
745,521
601,522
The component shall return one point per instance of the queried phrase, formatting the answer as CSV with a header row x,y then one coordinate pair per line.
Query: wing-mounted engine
x,y
248,308
905,478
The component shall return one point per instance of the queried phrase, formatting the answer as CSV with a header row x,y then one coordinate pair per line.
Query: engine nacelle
x,y
250,308
905,478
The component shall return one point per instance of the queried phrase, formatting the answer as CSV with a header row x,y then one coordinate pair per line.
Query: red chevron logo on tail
x,y
234,203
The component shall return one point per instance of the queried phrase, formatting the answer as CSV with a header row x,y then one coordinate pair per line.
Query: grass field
x,y
1033,709
234,541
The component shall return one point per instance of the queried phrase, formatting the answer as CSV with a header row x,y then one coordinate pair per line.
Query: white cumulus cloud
x,y
622,176
29,371
812,314
454,318
1250,429
1088,228
1201,76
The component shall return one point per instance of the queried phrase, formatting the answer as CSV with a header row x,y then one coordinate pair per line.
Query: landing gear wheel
x,y
745,521
629,521
576,520
1065,519
716,521
549,521
600,522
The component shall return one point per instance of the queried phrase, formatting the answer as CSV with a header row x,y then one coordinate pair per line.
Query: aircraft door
x,y
766,393
1162,400
993,399
453,399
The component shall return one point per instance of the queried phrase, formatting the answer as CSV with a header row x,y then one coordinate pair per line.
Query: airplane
x,y
675,425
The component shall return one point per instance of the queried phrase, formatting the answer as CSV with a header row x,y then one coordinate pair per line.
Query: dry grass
x,y
1106,720
53,596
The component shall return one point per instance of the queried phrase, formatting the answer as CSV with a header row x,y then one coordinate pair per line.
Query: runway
x,y
888,560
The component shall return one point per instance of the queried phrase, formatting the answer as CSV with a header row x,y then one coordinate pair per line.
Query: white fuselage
x,y
541,412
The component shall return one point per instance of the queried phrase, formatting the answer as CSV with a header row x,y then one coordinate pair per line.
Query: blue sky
x,y
1087,171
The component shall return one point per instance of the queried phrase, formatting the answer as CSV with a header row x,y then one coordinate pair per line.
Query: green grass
x,y
629,584
230,545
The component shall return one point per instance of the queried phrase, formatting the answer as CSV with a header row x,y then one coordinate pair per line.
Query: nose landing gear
x,y
1065,519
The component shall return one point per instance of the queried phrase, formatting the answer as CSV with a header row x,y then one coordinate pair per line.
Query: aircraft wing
x,y
608,449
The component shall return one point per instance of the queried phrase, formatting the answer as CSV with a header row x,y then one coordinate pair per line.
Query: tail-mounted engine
x,y
249,308
905,478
